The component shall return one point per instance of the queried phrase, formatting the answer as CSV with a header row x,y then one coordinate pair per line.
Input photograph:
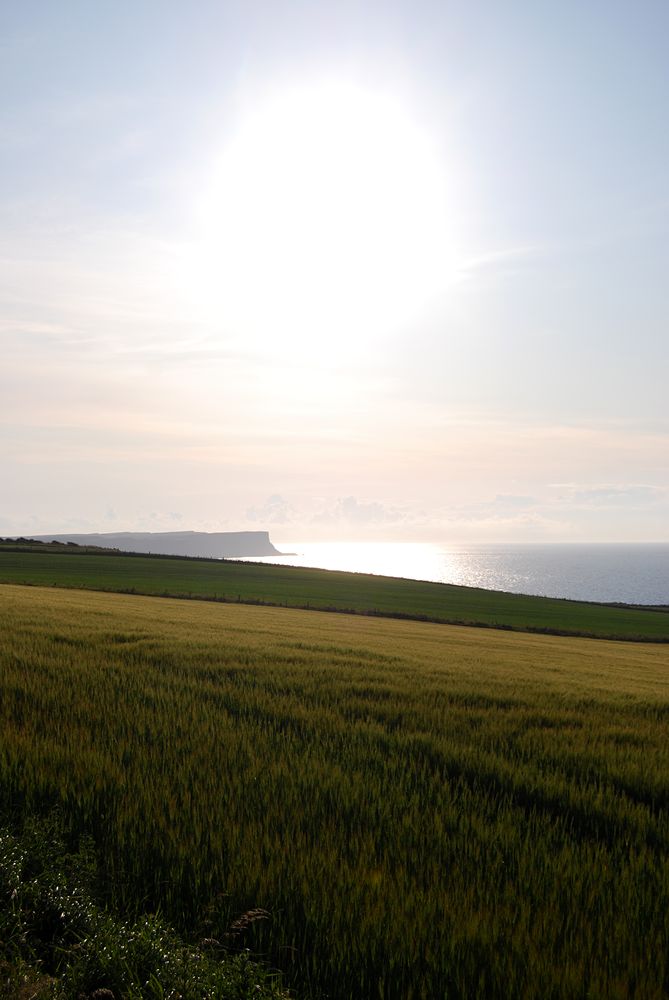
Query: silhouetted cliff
x,y
212,544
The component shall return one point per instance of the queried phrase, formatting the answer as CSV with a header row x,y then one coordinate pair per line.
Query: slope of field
x,y
426,810
312,588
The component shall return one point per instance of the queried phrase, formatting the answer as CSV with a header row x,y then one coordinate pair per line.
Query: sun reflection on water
x,y
634,573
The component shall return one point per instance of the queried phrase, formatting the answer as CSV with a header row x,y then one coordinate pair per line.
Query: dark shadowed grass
x,y
423,810
328,590
57,941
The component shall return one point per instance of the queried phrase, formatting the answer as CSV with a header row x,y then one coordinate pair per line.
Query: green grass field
x,y
426,810
293,587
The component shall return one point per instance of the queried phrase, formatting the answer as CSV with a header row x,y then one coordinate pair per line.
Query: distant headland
x,y
204,544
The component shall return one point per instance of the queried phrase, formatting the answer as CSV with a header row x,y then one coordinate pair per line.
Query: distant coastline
x,y
200,544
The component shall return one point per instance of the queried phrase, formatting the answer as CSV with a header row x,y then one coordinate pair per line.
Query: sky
x,y
384,270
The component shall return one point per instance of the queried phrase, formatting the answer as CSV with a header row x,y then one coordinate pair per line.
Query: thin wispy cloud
x,y
499,259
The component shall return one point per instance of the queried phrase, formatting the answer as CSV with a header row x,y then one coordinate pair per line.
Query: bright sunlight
x,y
325,223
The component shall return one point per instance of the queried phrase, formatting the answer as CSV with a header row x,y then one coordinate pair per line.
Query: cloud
x,y
610,495
497,259
275,510
513,501
350,510
326,516
505,507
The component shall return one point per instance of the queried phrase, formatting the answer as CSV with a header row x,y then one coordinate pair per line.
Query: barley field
x,y
424,810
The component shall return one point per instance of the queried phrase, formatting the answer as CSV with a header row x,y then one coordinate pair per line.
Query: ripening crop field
x,y
425,810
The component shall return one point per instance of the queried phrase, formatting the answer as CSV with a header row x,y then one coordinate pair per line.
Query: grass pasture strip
x,y
425,810
330,590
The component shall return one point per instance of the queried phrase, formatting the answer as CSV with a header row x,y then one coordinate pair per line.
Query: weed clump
x,y
57,941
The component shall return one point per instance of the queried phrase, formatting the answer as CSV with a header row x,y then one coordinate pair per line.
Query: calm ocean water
x,y
634,573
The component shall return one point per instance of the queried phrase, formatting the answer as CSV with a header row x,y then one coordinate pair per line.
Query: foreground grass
x,y
56,941
426,811
324,589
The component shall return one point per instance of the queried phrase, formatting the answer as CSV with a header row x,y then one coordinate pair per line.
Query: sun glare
x,y
325,224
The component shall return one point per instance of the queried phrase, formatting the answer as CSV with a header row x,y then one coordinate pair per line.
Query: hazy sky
x,y
386,270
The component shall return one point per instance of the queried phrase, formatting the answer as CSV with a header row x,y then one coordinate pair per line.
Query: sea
x,y
630,573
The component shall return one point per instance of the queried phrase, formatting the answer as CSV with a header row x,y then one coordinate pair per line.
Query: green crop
x,y
255,583
424,810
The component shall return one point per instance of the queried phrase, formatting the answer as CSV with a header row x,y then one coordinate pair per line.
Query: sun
x,y
325,222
